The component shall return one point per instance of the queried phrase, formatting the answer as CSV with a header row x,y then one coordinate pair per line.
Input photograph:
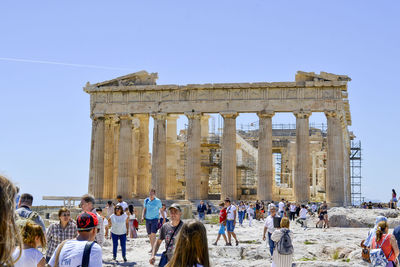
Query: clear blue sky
x,y
45,124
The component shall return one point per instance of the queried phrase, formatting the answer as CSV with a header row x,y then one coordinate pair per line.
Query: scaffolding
x,y
355,168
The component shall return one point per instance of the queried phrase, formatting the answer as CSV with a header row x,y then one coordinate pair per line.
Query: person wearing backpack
x,y
24,210
283,252
384,249
82,251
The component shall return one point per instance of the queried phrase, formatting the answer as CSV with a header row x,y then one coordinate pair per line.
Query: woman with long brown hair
x,y
387,242
191,248
9,233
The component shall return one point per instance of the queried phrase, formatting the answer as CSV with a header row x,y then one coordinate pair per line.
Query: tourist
x,y
132,222
324,212
314,207
386,242
168,232
72,251
280,258
151,211
163,216
370,205
321,220
87,205
9,232
257,206
122,203
272,204
101,235
250,213
191,247
33,238
394,199
287,209
396,233
281,207
231,215
24,210
119,224
222,224
201,210
62,230
242,211
292,211
109,211
303,217
209,208
372,232
298,208
269,227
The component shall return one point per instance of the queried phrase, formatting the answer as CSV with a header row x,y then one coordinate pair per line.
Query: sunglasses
x,y
66,214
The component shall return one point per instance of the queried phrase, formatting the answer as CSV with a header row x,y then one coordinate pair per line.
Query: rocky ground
x,y
336,246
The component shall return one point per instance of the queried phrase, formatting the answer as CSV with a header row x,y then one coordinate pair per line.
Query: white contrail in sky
x,y
61,63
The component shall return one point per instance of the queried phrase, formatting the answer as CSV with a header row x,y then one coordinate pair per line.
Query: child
x,y
132,218
222,224
32,238
321,220
250,213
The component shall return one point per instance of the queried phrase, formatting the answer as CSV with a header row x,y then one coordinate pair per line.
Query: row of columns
x,y
338,177
119,157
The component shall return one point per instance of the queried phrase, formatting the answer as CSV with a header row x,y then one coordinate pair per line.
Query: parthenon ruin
x,y
120,162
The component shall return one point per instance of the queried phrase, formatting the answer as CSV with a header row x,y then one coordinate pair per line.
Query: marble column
x,y
135,153
116,127
172,156
96,175
302,179
109,158
334,179
228,179
205,157
158,163
193,159
265,167
314,174
125,162
143,176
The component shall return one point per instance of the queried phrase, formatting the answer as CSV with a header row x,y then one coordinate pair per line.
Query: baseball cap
x,y
175,206
86,221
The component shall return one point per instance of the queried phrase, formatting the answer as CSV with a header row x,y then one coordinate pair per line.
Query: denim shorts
x,y
151,226
221,229
230,226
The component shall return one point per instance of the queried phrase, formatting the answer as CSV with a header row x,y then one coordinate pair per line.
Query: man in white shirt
x,y
231,221
281,206
269,227
122,203
71,252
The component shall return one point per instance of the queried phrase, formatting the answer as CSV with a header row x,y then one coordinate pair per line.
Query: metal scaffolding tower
x,y
355,167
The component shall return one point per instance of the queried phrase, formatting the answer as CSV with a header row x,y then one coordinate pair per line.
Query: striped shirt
x,y
56,234
279,259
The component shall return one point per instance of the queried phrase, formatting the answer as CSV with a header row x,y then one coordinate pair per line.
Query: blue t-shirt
x,y
152,208
396,233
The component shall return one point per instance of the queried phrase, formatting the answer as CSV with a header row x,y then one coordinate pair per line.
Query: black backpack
x,y
284,245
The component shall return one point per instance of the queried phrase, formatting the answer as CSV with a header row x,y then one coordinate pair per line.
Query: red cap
x,y
86,221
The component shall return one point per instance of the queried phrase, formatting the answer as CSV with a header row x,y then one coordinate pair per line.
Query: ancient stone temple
x,y
121,162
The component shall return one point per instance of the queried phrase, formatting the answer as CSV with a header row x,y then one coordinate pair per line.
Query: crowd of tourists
x,y
79,242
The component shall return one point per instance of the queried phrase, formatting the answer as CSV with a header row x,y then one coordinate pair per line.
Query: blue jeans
x,y
271,244
201,216
241,217
122,241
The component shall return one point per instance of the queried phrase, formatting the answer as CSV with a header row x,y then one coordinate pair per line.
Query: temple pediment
x,y
302,76
137,78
